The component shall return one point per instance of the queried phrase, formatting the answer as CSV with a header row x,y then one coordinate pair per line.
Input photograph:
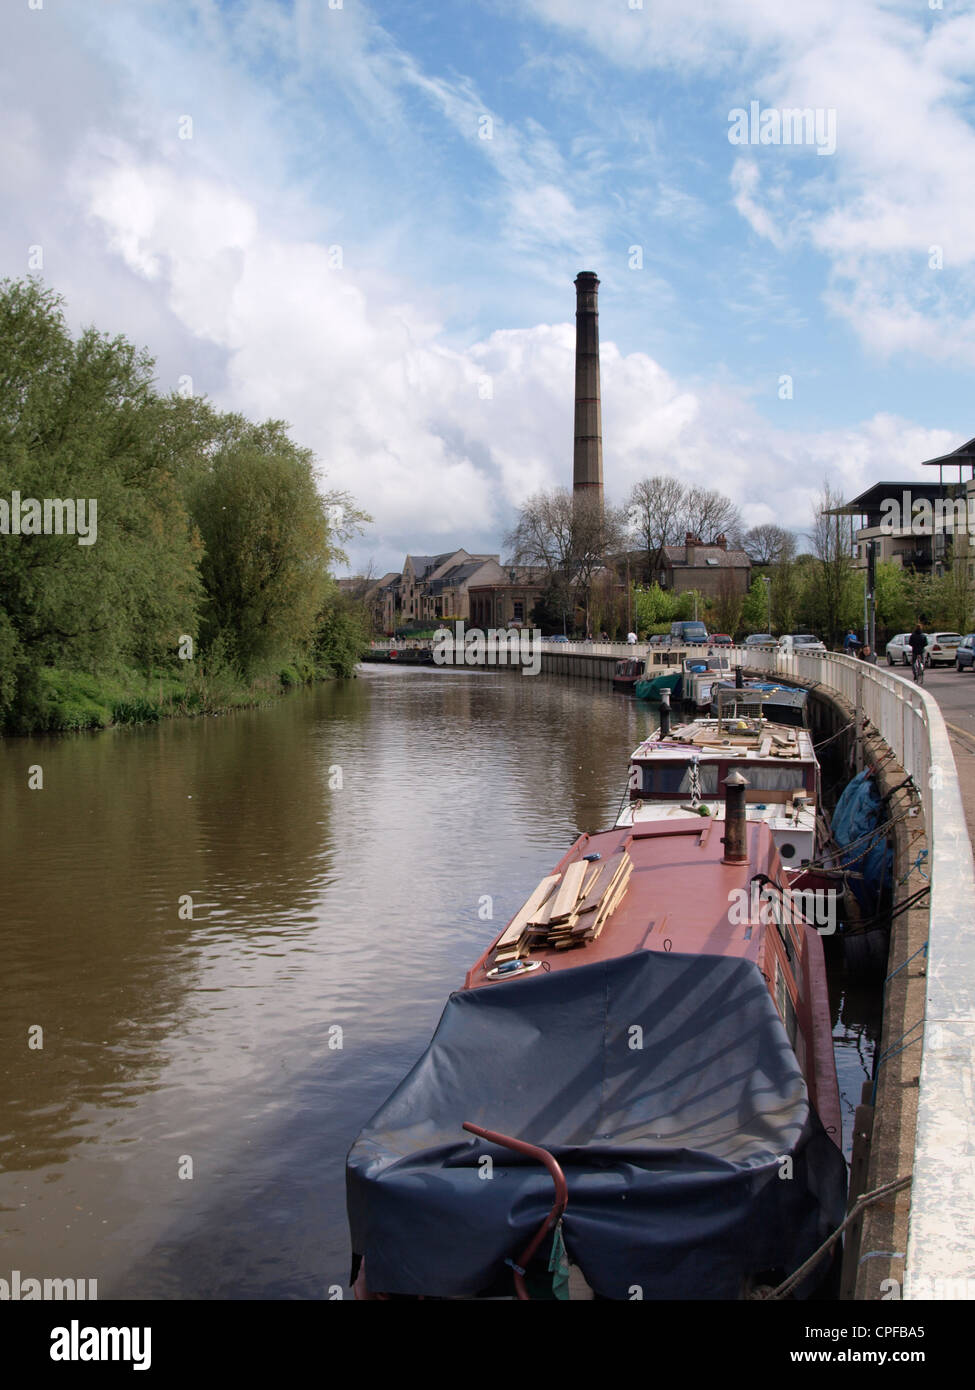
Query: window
x,y
674,779
519,610
773,779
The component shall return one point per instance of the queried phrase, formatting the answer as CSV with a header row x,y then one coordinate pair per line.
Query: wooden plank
x,y
608,871
568,891
612,902
591,926
516,927
594,872
544,914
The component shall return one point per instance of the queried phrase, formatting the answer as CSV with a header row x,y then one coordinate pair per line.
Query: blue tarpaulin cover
x,y
858,811
666,1087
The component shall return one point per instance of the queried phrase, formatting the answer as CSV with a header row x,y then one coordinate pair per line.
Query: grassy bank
x,y
70,700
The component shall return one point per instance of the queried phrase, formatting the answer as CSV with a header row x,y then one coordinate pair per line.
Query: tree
x,y
727,606
570,536
656,511
769,545
709,514
267,551
895,607
754,608
835,599
653,607
80,419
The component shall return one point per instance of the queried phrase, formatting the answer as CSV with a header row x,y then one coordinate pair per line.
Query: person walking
x,y
867,655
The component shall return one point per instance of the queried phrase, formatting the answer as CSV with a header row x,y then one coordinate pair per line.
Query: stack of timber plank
x,y
567,909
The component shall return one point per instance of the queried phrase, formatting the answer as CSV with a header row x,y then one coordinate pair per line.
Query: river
x,y
235,935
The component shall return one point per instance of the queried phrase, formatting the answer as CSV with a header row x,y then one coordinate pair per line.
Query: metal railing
x,y
940,1253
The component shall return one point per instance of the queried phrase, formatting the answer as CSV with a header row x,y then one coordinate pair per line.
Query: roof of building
x,y
457,574
965,453
875,496
706,557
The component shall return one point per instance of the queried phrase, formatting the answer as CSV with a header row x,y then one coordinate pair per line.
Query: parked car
x,y
660,639
804,641
899,650
942,647
759,639
965,655
692,633
558,638
721,639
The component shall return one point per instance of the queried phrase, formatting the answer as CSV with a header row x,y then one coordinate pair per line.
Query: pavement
x,y
955,694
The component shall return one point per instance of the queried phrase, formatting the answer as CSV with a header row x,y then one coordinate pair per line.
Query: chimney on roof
x,y
721,541
587,455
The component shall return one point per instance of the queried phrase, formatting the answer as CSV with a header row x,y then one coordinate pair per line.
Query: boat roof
x,y
677,897
754,740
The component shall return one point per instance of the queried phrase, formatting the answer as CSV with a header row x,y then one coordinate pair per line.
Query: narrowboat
x,y
633,1095
627,672
681,771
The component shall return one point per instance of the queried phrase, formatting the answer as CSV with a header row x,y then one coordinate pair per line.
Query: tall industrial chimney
x,y
587,459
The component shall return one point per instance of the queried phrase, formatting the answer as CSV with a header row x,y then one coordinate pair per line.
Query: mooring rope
x,y
862,1202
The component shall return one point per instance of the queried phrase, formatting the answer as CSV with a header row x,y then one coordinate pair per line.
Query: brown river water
x,y
182,1130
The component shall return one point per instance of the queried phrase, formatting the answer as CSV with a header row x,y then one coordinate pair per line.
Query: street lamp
x,y
768,598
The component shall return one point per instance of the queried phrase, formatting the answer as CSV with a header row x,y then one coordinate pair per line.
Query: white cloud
x,y
899,81
214,254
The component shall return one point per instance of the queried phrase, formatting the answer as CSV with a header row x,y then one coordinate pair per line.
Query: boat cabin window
x,y
765,778
672,779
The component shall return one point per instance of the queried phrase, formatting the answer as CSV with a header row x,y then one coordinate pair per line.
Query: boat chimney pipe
x,y
664,713
735,838
739,678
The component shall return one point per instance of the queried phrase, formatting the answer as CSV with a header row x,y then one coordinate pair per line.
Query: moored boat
x,y
699,676
652,688
785,704
657,1045
627,672
681,772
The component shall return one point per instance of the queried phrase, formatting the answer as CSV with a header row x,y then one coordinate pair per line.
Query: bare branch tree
x,y
709,514
568,536
656,509
769,545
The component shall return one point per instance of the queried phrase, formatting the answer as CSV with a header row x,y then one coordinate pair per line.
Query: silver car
x,y
941,648
899,650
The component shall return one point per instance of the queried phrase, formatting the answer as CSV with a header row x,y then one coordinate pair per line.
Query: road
x,y
955,693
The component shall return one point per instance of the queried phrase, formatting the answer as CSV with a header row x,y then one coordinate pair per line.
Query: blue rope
x,y
923,948
892,1052
916,865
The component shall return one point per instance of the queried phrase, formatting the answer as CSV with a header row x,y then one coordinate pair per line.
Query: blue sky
x,y
431,371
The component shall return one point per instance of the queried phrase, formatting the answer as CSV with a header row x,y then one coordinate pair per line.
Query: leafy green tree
x,y
652,606
266,548
77,422
343,632
754,609
895,607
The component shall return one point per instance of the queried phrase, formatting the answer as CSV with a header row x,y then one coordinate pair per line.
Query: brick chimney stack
x,y
587,457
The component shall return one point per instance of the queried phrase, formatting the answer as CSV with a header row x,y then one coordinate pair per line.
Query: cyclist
x,y
918,643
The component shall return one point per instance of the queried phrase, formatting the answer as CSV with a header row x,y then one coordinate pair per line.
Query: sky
x,y
366,218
